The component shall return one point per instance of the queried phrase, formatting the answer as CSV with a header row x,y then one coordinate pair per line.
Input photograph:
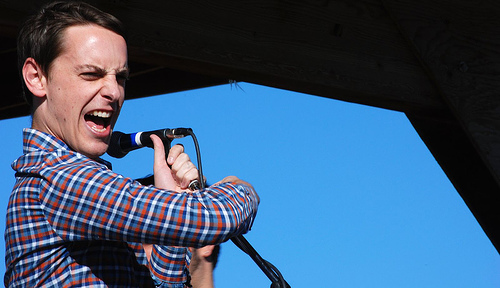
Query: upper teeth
x,y
101,114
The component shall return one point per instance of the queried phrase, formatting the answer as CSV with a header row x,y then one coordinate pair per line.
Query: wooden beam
x,y
461,162
349,51
344,50
457,43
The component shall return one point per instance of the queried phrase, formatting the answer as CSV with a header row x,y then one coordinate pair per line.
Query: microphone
x,y
121,143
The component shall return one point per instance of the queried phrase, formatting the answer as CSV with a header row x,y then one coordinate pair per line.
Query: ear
x,y
34,78
206,251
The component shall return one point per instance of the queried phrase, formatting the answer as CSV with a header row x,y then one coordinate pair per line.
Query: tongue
x,y
94,121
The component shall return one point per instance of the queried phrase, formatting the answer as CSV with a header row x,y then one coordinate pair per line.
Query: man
x,y
203,262
71,221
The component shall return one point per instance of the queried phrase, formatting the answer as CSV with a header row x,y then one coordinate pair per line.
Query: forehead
x,y
94,45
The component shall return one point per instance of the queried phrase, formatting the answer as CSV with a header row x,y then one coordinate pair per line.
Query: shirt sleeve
x,y
168,265
83,200
88,201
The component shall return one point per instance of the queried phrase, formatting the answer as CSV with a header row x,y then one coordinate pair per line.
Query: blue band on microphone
x,y
135,139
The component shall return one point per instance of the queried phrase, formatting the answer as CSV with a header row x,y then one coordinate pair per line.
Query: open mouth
x,y
98,121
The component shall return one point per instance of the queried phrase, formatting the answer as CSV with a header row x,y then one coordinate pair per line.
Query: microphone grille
x,y
114,148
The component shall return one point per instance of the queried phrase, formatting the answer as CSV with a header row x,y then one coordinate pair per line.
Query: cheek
x,y
120,102
65,106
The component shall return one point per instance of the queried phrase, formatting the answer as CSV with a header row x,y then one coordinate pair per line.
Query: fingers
x,y
174,153
234,179
183,170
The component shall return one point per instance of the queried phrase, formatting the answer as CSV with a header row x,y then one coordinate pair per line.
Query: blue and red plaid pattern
x,y
72,222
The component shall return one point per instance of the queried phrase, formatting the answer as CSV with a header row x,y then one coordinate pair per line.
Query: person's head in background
x,y
203,262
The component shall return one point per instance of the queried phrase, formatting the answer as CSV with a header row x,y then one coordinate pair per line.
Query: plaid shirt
x,y
72,222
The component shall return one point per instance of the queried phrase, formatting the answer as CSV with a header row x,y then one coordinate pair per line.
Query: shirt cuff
x,y
170,265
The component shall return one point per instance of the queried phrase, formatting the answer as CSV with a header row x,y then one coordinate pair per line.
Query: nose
x,y
112,89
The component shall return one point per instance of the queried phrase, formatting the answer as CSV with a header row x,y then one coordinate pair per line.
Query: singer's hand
x,y
183,170
233,179
236,180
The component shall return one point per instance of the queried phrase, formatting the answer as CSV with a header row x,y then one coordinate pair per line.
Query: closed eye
x,y
91,75
122,76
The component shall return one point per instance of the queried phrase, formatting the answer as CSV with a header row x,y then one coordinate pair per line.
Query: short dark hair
x,y
214,257
41,35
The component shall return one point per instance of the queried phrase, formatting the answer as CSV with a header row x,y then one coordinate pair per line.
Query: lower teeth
x,y
98,130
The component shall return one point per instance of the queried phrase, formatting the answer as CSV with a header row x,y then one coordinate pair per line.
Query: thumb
x,y
159,152
162,173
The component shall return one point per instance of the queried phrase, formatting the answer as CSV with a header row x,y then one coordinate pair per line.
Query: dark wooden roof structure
x,y
438,61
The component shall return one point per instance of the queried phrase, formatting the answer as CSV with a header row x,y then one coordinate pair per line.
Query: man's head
x,y
203,262
73,60
41,35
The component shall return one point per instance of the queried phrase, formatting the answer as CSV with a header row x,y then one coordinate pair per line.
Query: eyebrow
x,y
123,72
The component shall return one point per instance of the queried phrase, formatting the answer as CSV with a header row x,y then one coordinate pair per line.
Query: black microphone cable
x,y
277,279
200,184
269,269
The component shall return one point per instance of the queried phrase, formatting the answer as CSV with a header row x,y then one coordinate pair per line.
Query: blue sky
x,y
350,195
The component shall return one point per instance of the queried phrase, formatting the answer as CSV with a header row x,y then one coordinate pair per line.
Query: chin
x,y
96,151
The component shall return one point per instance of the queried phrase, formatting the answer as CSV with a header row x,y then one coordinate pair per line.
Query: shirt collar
x,y
34,140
